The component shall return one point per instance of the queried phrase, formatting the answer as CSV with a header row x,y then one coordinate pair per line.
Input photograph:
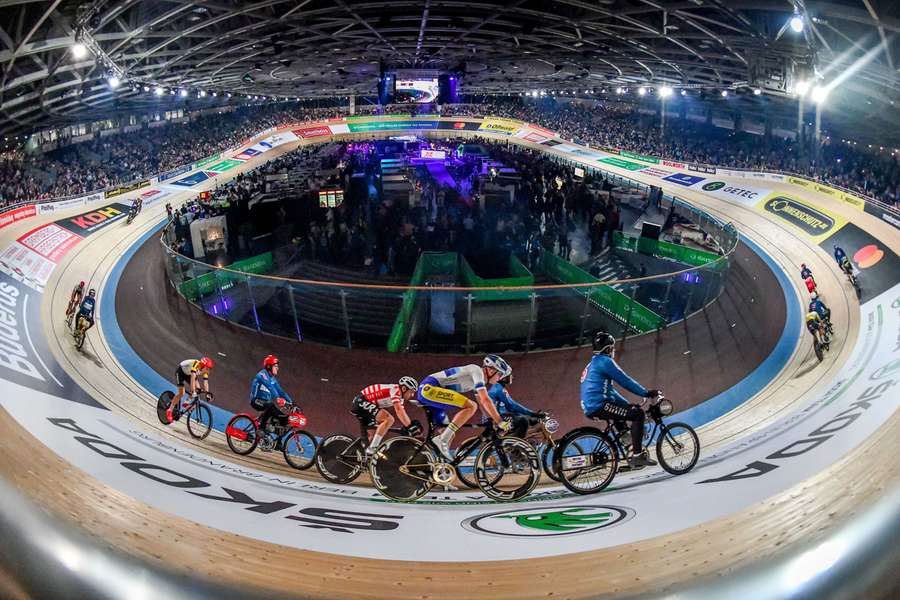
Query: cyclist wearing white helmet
x,y
371,404
444,390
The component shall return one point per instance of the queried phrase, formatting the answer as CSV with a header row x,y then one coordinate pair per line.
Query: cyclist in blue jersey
x,y
444,390
839,254
267,395
816,305
519,415
86,309
599,399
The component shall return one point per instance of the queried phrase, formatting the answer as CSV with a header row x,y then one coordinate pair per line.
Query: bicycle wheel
x,y
339,458
509,470
818,348
465,469
678,448
586,460
404,469
241,435
79,339
162,405
547,458
299,449
199,422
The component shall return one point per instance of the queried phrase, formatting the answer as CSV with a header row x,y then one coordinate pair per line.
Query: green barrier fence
x,y
429,263
193,289
520,277
660,249
618,305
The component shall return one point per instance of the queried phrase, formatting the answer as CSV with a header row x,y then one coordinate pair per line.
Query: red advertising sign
x,y
12,216
535,137
676,165
309,132
50,241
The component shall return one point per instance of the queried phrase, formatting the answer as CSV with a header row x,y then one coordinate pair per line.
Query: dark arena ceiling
x,y
318,48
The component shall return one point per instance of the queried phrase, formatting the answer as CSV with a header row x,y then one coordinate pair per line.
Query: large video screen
x,y
416,91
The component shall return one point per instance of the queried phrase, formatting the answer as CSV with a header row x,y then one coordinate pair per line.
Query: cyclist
x,y
805,272
136,206
86,309
371,406
444,390
599,399
75,299
839,254
267,395
187,375
810,285
519,416
816,327
846,265
816,305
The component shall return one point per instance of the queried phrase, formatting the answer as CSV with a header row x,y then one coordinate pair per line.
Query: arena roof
x,y
315,48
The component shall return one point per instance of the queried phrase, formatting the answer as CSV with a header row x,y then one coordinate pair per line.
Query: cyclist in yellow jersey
x,y
188,374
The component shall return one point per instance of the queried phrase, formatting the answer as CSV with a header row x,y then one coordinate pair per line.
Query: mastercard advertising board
x,y
877,267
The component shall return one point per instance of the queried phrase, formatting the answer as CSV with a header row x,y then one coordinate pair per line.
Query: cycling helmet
x,y
603,342
270,361
409,382
811,316
92,292
206,362
802,265
81,285
492,361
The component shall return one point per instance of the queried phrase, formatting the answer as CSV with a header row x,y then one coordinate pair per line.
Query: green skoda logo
x,y
713,186
887,370
551,521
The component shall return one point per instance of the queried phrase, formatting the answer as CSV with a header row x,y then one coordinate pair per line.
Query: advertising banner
x,y
814,221
656,172
12,216
884,215
91,222
151,196
744,194
458,125
192,180
50,207
621,163
311,132
174,172
684,179
223,166
697,168
676,165
643,157
877,266
126,188
208,160
50,241
507,126
534,137
356,127
247,154
339,128
25,265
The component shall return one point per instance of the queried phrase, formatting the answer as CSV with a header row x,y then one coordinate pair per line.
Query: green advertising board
x,y
660,249
356,127
223,166
622,164
209,159
207,283
643,157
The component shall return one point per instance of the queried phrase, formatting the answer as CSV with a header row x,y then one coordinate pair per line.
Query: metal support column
x,y
346,319
294,311
585,316
469,298
253,302
532,321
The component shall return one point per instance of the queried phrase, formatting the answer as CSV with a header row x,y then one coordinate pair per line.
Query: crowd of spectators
x,y
119,158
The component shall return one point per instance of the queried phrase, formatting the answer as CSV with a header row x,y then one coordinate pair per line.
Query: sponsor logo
x,y
807,218
655,172
174,172
712,186
459,125
887,370
207,160
684,179
310,132
701,169
868,256
643,157
18,214
676,165
126,188
553,521
13,354
87,223
622,163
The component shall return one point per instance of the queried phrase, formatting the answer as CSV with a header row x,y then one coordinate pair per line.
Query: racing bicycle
x,y
132,213
824,345
199,416
587,458
854,282
405,468
80,332
283,432
341,458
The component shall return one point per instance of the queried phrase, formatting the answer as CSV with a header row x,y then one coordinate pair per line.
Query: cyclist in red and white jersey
x,y
75,299
371,406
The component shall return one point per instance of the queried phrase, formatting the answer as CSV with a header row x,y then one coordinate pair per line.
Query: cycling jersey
x,y
846,264
819,307
265,389
459,379
86,309
597,384
813,321
804,273
506,406
445,389
191,366
839,254
77,294
810,285
382,395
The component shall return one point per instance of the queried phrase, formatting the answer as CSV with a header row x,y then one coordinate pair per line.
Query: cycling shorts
x,y
180,378
364,410
613,411
431,394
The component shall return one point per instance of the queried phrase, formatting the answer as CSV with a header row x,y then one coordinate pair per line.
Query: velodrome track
x,y
671,531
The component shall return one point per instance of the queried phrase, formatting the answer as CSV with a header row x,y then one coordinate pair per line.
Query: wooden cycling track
x,y
801,513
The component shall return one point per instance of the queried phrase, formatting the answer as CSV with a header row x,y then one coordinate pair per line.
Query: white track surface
x,y
155,493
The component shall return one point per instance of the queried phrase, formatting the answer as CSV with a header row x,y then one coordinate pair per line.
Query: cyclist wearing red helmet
x,y
267,395
187,375
75,299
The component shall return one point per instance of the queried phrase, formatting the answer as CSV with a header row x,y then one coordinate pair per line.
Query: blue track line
x,y
695,416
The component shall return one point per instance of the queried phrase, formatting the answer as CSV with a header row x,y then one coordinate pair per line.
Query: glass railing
x,y
640,285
